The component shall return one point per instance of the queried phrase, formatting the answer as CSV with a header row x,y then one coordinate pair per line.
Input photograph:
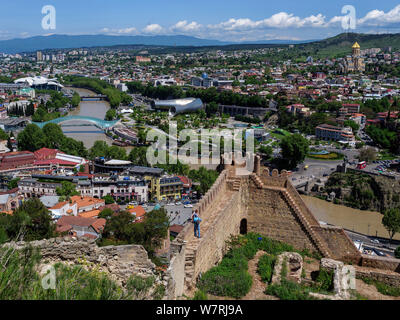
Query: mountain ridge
x,y
337,45
51,42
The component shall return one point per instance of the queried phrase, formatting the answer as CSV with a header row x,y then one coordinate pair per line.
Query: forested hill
x,y
341,44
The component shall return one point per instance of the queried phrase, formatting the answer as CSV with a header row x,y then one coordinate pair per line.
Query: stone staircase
x,y
307,223
235,183
315,239
257,181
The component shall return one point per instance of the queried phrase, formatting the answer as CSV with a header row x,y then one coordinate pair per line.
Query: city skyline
x,y
234,21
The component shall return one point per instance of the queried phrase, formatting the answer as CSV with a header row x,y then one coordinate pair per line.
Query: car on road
x,y
178,203
188,206
380,253
375,241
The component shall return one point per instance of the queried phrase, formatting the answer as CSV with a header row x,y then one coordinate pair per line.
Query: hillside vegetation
x,y
341,44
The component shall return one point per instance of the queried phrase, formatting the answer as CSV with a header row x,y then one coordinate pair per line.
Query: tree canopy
x,y
391,221
294,149
31,221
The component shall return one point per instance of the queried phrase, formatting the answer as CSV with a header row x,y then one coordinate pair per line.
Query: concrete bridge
x,y
102,124
99,97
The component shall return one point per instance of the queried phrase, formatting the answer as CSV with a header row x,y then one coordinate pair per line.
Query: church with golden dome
x,y
354,63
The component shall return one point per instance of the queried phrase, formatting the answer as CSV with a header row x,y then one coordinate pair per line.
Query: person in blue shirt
x,y
196,223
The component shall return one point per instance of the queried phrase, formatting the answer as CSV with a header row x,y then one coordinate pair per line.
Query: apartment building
x,y
328,132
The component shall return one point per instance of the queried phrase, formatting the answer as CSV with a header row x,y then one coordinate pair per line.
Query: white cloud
x,y
130,30
290,26
279,20
153,29
380,18
185,27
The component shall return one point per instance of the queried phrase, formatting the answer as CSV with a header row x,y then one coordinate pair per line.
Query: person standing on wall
x,y
196,223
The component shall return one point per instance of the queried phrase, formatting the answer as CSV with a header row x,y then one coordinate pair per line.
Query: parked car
x,y
188,206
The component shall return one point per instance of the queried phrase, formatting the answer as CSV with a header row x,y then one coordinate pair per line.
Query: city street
x,y
379,244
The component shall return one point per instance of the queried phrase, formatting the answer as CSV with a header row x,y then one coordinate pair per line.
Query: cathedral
x,y
354,63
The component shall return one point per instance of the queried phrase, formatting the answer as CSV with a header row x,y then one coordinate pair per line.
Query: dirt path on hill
x,y
370,292
257,289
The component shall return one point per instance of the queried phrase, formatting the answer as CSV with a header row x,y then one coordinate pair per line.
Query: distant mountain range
x,y
87,41
336,45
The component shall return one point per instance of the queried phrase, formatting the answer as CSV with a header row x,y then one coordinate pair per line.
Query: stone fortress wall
x,y
264,202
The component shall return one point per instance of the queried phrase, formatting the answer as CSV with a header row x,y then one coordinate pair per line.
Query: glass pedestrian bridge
x,y
102,124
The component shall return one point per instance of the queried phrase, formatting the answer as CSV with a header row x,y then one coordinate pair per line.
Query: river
x,y
365,222
87,133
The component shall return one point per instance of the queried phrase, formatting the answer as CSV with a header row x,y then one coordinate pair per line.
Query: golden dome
x,y
356,46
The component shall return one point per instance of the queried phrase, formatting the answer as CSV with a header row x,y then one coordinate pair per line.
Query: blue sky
x,y
233,20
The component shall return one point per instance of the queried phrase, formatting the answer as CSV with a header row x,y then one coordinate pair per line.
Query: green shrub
x,y
159,292
20,280
288,290
324,280
200,295
387,290
226,283
266,267
76,283
138,287
397,253
17,273
230,278
382,287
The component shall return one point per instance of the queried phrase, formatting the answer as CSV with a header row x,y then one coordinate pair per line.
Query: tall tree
x,y
54,135
31,138
67,190
294,149
391,221
31,221
99,149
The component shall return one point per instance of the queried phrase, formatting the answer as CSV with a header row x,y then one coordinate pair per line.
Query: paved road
x,y
383,245
316,170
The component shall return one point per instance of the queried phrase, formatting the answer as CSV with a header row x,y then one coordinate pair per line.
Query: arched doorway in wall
x,y
243,226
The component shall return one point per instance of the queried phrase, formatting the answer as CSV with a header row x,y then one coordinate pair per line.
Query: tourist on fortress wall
x,y
196,223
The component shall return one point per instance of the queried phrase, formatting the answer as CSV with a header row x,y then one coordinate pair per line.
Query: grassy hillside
x,y
341,44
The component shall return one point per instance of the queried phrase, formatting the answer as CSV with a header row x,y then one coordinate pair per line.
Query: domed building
x,y
355,62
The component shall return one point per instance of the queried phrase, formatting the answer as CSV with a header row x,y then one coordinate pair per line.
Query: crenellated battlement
x,y
261,201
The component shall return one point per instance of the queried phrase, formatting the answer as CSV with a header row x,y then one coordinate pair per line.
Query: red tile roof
x,y
176,228
99,225
46,153
75,221
71,221
54,161
186,181
138,211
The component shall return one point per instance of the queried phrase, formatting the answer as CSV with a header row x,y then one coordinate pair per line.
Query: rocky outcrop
x,y
363,191
120,262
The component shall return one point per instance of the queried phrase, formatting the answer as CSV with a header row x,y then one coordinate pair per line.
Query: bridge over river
x,y
94,98
102,124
